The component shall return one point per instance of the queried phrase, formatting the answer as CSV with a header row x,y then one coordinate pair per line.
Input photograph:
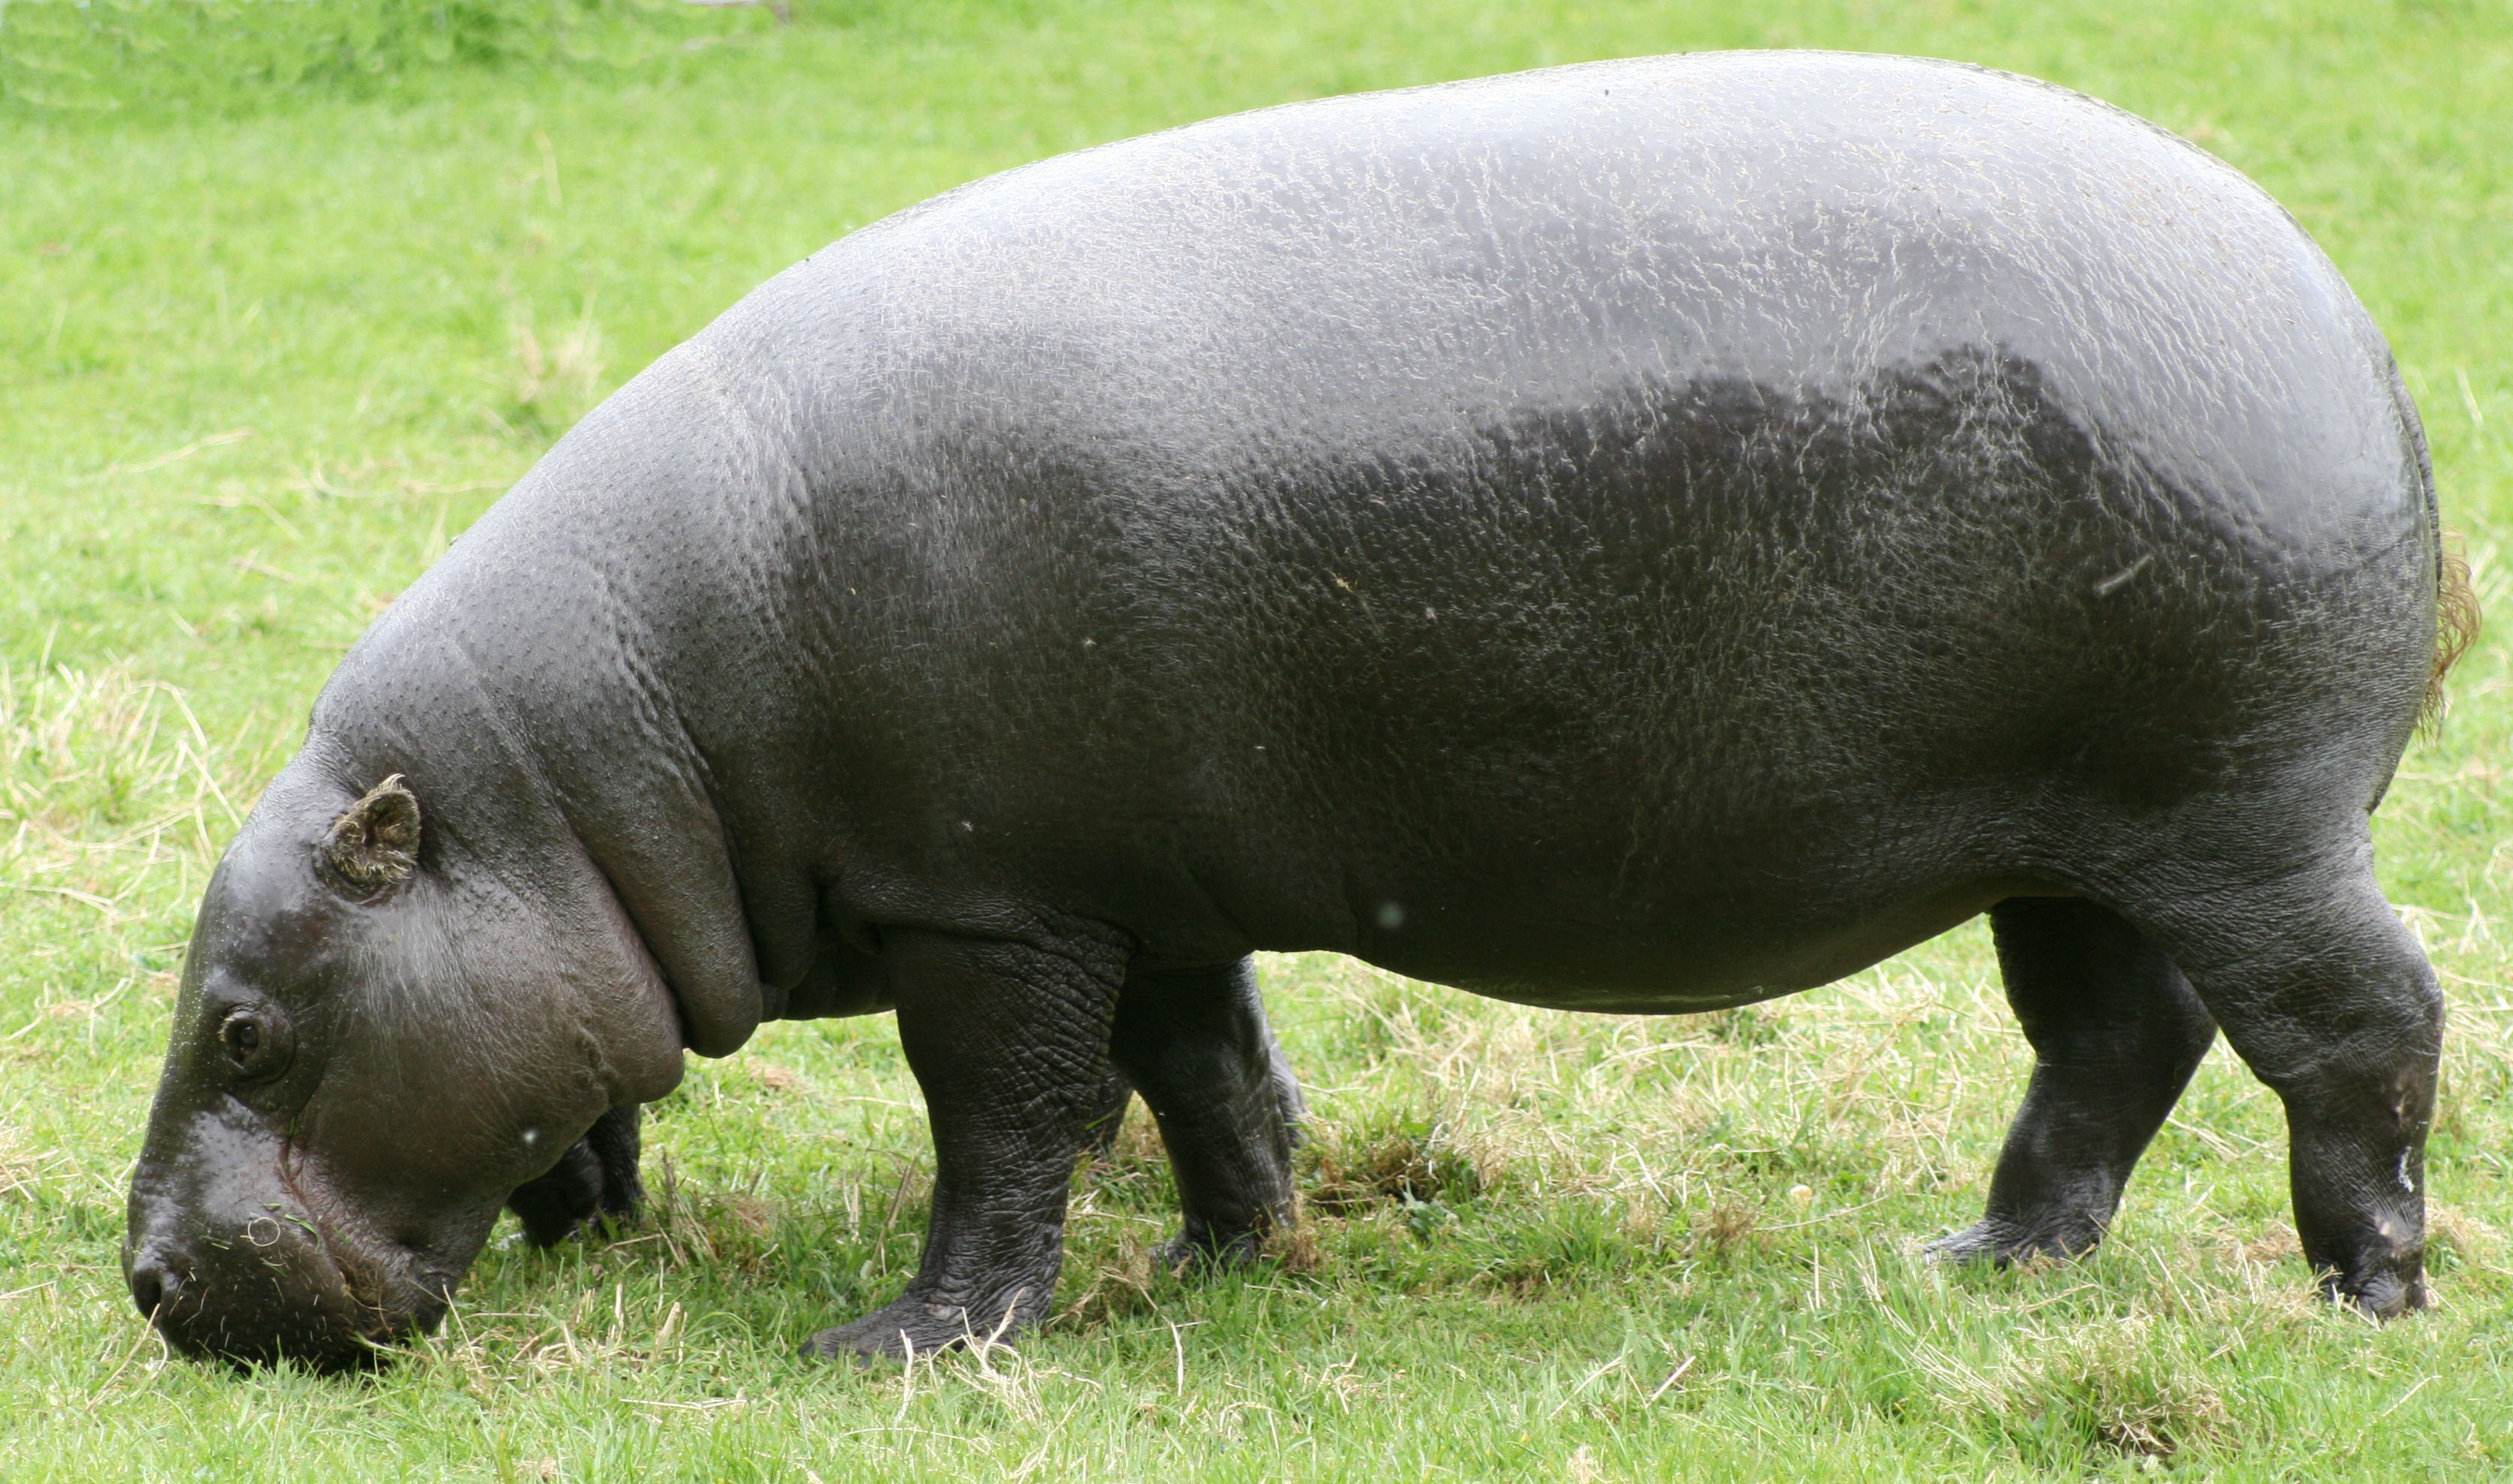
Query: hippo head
x,y
383,1028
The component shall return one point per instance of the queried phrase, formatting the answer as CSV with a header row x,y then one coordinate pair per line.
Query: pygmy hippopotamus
x,y
1637,537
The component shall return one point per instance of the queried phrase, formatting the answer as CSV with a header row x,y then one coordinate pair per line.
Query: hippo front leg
x,y
1194,1043
2116,1033
1009,1043
595,1178
1114,1097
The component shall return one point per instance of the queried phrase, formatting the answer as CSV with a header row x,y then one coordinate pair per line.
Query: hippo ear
x,y
375,844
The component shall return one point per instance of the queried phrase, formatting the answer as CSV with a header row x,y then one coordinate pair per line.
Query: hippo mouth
x,y
339,1316
287,1289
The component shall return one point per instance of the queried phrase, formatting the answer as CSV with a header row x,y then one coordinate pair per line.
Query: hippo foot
x,y
1189,1254
594,1182
2004,1244
911,1324
2379,1295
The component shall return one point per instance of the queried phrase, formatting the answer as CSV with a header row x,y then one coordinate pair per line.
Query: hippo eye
x,y
257,1041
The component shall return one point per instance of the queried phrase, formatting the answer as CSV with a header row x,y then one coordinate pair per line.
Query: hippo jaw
x,y
254,1264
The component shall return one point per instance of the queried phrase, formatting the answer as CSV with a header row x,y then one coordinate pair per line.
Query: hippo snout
x,y
267,1289
156,1277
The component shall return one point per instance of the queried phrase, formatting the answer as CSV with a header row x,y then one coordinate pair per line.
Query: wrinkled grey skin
x,y
1645,537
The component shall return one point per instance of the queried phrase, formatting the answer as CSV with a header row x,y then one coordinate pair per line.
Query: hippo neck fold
x,y
524,685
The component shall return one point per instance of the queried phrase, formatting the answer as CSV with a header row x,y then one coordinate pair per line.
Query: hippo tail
x,y
2457,612
2456,619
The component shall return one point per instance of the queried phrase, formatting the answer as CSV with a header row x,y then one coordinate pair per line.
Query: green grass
x,y
262,353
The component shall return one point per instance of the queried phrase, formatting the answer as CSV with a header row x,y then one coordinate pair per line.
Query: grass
x,y
262,354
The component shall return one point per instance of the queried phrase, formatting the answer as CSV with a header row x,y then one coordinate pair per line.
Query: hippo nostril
x,y
152,1288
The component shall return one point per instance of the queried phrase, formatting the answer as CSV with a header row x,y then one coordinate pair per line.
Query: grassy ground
x,y
260,360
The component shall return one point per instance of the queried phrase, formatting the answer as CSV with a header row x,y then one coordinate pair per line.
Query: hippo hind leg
x,y
1196,1045
2330,1002
596,1179
1008,1042
2116,1032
